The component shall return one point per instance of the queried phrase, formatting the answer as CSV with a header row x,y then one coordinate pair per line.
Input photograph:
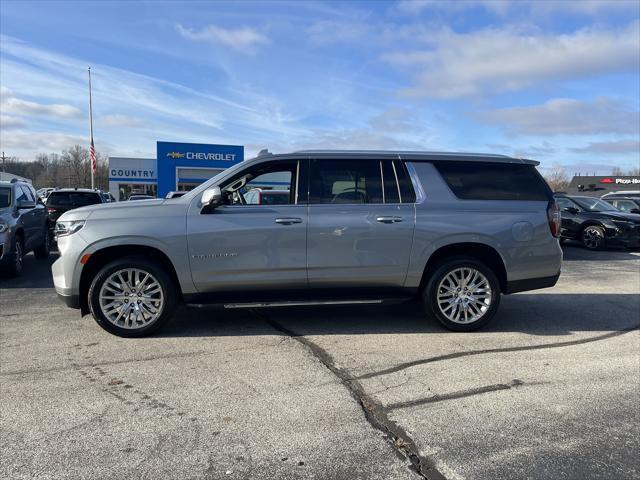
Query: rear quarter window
x,y
494,181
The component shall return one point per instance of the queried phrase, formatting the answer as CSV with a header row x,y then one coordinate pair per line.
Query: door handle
x,y
288,221
389,219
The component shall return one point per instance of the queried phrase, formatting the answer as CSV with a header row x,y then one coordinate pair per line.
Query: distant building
x,y
7,177
596,186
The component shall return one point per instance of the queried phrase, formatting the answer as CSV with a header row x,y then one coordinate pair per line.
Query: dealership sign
x,y
132,169
621,181
174,156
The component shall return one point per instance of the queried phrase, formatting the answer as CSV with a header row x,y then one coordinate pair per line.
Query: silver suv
x,y
455,230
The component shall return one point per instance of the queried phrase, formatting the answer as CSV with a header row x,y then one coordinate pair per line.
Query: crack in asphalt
x,y
374,412
460,394
451,356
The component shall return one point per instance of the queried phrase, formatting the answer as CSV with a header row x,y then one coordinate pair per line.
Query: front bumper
x,y
626,236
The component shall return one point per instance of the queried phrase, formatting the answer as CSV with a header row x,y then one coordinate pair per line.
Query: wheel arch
x,y
482,252
101,257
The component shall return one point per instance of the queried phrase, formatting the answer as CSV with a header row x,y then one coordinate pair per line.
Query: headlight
x,y
3,227
68,227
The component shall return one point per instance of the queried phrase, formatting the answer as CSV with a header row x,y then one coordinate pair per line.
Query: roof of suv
x,y
416,156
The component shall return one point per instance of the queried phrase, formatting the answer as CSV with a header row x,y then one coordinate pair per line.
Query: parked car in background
x,y
596,223
24,226
141,197
64,199
107,197
356,227
175,194
624,201
43,193
259,196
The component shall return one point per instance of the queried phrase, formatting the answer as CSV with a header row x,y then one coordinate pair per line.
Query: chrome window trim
x,y
384,200
415,180
397,182
295,202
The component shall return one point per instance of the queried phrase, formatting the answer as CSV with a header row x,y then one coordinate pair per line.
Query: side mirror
x,y
572,210
211,197
635,210
24,204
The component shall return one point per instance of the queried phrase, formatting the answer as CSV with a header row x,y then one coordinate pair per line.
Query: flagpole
x,y
91,129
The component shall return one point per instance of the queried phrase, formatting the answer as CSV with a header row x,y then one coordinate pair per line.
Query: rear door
x,y
360,225
29,218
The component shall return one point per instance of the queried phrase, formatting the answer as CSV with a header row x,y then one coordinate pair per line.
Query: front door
x,y
360,225
252,242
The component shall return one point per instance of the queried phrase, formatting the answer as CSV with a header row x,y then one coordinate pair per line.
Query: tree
x,y
617,172
70,169
557,178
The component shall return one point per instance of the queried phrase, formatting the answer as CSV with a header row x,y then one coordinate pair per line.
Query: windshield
x,y
595,205
5,197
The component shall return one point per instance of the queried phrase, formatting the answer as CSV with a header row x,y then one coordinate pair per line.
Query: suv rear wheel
x,y
462,293
132,297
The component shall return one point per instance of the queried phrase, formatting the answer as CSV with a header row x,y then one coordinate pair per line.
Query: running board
x,y
299,303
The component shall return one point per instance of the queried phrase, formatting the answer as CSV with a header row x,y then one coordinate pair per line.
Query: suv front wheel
x,y
132,297
462,293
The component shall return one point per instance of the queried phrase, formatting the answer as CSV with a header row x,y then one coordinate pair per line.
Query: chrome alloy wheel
x,y
464,295
131,298
592,237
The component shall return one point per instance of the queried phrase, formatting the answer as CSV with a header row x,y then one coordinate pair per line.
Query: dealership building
x,y
596,186
177,166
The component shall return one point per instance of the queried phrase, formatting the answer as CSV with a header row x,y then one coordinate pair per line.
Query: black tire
x,y
593,237
165,281
42,252
15,259
430,294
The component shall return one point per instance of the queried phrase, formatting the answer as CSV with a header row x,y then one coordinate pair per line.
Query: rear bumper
x,y
71,301
516,286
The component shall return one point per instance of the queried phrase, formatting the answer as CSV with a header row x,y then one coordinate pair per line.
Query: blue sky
x,y
551,80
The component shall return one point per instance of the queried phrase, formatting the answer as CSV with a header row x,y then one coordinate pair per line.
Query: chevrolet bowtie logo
x,y
175,155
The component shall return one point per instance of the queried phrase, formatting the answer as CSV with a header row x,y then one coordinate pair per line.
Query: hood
x,y
113,210
624,216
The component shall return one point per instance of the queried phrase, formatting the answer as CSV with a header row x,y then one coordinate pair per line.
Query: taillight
x,y
553,214
51,210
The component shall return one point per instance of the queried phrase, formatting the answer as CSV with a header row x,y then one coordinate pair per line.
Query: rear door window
x,y
493,181
341,181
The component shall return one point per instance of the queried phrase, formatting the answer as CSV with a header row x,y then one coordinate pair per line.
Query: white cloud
x,y
565,116
489,61
117,120
8,122
243,39
40,141
17,106
614,147
536,7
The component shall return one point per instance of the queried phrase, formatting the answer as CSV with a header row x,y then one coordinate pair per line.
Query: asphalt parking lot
x,y
550,389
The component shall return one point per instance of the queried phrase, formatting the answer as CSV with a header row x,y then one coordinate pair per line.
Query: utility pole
x,y
3,158
92,149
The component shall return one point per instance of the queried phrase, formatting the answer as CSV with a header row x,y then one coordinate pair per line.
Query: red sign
x,y
607,180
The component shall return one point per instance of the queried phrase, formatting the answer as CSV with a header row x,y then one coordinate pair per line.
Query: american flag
x,y
92,153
